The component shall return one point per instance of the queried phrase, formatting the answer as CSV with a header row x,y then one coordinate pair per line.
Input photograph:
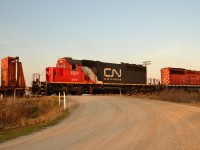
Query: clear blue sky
x,y
166,32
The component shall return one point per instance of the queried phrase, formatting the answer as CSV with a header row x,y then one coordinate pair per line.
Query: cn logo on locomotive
x,y
110,73
74,73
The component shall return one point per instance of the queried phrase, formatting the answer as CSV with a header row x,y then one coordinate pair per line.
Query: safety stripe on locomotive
x,y
165,76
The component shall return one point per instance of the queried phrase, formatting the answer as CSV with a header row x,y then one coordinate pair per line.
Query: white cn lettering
x,y
110,73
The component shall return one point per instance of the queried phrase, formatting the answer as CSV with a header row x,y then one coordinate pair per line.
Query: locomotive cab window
x,y
74,67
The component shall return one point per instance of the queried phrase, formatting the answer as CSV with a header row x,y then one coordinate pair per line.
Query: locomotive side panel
x,y
104,72
193,77
117,73
135,74
110,73
177,76
91,71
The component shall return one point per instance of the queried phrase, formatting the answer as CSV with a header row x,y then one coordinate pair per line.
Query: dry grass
x,y
174,95
179,96
28,112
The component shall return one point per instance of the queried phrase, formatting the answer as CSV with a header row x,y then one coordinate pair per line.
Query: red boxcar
x,y
12,73
179,76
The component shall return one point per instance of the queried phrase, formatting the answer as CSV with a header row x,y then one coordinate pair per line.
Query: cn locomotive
x,y
180,77
88,76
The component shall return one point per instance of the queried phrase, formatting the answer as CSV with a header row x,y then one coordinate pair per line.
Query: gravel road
x,y
122,123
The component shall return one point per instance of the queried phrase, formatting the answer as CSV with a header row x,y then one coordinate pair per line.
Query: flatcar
x,y
88,76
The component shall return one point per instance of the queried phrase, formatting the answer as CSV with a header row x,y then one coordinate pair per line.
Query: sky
x,y
165,32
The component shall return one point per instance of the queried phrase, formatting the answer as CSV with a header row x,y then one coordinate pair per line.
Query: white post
x,y
59,98
64,102
120,92
14,94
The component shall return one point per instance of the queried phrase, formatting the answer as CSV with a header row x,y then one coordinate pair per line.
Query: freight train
x,y
96,77
88,76
93,77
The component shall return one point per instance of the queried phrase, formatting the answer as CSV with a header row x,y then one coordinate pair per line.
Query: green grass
x,y
7,134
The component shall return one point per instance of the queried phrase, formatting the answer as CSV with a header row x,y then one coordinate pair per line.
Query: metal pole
x,y
64,102
120,92
146,63
59,98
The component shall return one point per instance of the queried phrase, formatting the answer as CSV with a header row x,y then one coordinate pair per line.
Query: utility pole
x,y
146,63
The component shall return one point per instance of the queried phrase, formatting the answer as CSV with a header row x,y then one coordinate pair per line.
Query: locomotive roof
x,y
94,63
172,68
72,61
99,62
179,69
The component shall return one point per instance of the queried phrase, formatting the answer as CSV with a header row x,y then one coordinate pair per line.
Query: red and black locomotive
x,y
87,76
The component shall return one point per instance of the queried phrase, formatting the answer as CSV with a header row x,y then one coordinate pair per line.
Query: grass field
x,y
24,116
